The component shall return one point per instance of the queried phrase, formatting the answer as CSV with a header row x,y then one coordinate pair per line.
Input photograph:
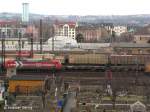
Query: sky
x,y
78,7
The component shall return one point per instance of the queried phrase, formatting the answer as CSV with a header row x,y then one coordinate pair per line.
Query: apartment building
x,y
92,34
119,30
67,29
11,29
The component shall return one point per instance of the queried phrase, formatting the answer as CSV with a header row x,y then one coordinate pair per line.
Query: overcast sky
x,y
79,7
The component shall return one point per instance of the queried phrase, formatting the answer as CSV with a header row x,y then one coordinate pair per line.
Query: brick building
x,y
91,34
32,31
11,29
131,48
142,35
108,26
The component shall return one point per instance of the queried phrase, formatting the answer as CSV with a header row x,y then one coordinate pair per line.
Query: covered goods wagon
x,y
88,59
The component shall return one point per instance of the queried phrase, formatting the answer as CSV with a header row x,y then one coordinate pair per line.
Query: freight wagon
x,y
129,59
103,59
92,59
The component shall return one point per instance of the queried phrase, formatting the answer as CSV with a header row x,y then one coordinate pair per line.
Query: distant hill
x,y
140,20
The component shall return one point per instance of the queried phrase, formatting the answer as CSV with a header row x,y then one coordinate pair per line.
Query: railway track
x,y
81,73
96,77
84,74
93,77
98,74
102,68
85,68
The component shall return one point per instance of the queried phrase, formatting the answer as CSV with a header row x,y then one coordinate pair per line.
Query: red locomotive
x,y
29,64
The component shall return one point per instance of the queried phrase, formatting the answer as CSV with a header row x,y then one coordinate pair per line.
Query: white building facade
x,y
11,29
67,29
119,30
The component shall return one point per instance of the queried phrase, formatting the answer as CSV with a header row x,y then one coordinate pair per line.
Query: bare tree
x,y
114,96
116,86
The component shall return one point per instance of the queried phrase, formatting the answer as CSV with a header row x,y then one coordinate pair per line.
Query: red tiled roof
x,y
7,22
61,24
143,31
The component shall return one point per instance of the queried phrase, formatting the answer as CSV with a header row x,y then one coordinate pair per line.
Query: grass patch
x,y
1,105
125,98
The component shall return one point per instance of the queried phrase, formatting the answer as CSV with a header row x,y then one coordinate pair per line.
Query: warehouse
x,y
131,48
13,43
27,84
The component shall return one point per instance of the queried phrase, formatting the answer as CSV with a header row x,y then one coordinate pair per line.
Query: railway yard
x,y
83,83
92,92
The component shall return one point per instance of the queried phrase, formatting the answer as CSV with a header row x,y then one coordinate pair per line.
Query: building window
x,y
65,31
129,51
139,51
148,50
9,32
22,44
0,33
6,43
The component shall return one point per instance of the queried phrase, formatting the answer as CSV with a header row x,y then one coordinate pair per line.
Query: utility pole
x,y
41,36
6,91
31,55
108,76
137,68
19,42
3,52
53,39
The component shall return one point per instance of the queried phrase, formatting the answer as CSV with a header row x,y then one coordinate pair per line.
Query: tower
x,y
25,13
